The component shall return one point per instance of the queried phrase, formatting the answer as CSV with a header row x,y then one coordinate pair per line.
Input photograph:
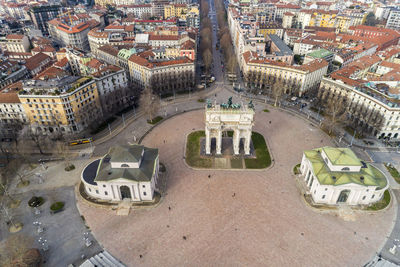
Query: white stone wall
x,y
110,190
329,194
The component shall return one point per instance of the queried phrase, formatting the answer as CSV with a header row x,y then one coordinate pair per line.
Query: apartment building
x,y
70,35
37,63
258,72
63,105
369,89
10,72
393,21
112,86
322,18
175,10
40,15
17,43
12,113
140,11
281,9
77,59
162,75
97,38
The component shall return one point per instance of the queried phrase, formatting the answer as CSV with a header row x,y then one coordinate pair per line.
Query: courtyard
x,y
237,217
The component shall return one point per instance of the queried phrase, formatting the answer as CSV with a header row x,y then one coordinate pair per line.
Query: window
x,y
363,198
124,165
106,193
346,169
97,191
326,189
144,193
372,197
104,185
90,190
323,197
143,186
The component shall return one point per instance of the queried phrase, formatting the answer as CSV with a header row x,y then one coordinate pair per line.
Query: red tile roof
x,y
164,37
34,62
51,73
15,36
61,63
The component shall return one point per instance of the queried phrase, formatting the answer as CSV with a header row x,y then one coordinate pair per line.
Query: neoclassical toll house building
x,y
125,172
337,176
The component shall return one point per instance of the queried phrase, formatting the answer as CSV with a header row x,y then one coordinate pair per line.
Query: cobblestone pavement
x,y
237,218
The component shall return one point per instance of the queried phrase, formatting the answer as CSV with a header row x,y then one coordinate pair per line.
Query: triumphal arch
x,y
228,116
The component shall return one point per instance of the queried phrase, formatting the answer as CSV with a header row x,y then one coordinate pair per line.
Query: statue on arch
x,y
229,102
251,105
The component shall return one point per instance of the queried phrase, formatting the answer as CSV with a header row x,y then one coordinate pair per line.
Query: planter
x,y
57,207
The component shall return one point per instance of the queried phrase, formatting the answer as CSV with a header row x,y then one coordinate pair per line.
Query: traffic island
x,y
195,156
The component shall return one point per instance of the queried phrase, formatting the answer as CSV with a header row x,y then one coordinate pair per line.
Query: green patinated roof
x,y
126,153
125,53
342,156
321,53
143,173
372,176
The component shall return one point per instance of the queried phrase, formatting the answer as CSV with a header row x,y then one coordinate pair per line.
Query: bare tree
x,y
5,151
204,8
277,90
33,132
14,251
150,103
207,58
232,64
16,168
335,112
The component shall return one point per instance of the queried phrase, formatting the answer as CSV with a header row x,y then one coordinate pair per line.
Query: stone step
x,y
112,259
103,259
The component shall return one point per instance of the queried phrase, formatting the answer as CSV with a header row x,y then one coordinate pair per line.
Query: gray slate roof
x,y
284,49
128,154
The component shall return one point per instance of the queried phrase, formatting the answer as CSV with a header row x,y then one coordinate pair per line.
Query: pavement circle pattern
x,y
237,218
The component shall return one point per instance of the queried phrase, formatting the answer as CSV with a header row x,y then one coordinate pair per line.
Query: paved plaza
x,y
237,218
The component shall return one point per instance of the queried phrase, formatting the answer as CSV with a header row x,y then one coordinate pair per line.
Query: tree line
x,y
205,47
339,109
275,86
224,36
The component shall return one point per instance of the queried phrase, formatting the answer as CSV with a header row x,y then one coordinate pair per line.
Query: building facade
x,y
40,15
17,43
67,106
12,113
393,21
261,73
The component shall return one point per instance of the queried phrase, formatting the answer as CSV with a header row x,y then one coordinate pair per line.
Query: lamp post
x,y
352,139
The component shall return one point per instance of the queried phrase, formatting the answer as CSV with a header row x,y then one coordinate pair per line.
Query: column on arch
x,y
247,142
208,141
236,141
219,142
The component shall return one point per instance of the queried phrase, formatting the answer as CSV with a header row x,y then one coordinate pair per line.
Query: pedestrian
x,y
164,141
209,176
269,122
169,207
234,194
